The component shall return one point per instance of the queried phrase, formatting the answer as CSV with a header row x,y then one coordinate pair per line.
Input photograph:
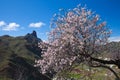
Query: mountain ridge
x,y
17,55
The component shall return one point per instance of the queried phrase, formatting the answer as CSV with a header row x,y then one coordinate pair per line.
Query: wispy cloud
x,y
36,25
9,27
115,39
2,23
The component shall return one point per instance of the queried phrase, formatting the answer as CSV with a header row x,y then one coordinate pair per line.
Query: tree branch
x,y
103,61
115,62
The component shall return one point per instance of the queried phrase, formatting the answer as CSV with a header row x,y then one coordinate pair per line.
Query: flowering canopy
x,y
76,36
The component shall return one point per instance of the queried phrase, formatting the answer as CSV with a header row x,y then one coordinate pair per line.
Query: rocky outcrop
x,y
32,37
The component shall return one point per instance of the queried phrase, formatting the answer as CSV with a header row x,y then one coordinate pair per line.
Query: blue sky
x,y
19,17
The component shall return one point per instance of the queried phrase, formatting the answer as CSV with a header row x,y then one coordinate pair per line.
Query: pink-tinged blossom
x,y
76,36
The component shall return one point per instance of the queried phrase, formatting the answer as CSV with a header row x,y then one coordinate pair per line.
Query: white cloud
x,y
115,39
36,25
2,23
9,27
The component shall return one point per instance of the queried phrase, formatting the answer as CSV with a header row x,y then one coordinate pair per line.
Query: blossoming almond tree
x,y
77,36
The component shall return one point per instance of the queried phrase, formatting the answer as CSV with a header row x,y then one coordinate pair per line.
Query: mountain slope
x,y
17,55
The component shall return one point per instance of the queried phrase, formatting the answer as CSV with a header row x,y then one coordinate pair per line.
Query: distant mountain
x,y
113,50
17,55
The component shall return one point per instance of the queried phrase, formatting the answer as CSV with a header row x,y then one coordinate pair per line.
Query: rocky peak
x,y
34,34
32,37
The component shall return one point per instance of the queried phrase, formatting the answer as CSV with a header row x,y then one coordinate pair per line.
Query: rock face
x,y
32,42
32,38
34,34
